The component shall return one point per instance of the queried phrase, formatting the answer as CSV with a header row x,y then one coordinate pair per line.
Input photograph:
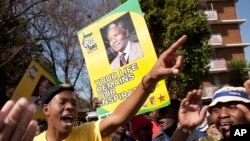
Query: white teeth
x,y
67,121
224,124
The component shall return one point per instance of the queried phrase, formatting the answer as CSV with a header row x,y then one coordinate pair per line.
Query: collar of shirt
x,y
126,50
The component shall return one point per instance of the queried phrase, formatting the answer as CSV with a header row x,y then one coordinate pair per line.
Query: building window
x,y
207,6
213,54
217,81
215,39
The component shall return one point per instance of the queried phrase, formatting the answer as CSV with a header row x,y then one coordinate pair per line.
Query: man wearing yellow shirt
x,y
60,107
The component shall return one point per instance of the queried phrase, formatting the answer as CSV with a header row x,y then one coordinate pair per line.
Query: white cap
x,y
228,94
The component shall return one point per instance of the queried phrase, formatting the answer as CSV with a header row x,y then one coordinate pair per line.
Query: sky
x,y
244,13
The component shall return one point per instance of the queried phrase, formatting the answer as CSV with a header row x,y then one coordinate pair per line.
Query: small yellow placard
x,y
35,82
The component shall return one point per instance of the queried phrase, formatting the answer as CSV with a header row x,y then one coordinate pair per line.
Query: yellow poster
x,y
118,52
34,83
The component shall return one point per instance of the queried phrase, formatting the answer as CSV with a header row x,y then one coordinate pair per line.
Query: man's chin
x,y
225,134
64,133
66,130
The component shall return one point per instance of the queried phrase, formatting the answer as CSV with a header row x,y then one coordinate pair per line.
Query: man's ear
x,y
45,109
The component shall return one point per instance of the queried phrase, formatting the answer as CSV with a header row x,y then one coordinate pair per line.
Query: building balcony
x,y
218,65
211,15
234,45
215,40
228,21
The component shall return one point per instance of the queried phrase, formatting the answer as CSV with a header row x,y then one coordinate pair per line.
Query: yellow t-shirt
x,y
86,132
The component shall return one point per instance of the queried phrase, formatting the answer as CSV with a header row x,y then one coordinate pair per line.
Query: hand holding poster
x,y
118,51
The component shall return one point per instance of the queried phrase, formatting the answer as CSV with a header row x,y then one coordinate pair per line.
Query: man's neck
x,y
54,135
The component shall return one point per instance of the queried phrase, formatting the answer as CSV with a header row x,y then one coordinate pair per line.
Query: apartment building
x,y
225,41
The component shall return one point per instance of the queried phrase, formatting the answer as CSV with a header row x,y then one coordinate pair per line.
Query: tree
x,y
17,46
238,72
34,29
83,104
57,25
99,8
167,20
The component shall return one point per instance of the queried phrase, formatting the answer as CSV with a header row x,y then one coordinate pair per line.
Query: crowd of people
x,y
177,122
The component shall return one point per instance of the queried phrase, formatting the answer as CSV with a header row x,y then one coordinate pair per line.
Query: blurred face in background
x,y
166,123
154,115
144,134
168,117
44,86
122,129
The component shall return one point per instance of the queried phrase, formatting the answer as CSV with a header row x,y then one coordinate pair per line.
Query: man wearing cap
x,y
60,106
225,111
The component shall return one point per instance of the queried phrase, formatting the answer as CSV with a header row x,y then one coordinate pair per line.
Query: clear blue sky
x,y
243,12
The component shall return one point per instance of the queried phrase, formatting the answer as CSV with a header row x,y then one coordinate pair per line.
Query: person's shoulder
x,y
40,137
87,131
116,58
137,44
161,137
86,124
135,51
115,63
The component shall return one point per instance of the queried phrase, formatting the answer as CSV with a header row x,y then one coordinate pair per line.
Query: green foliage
x,y
17,51
82,103
168,20
238,72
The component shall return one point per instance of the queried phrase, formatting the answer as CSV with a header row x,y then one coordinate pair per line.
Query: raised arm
x,y
247,87
167,64
190,115
244,108
16,122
